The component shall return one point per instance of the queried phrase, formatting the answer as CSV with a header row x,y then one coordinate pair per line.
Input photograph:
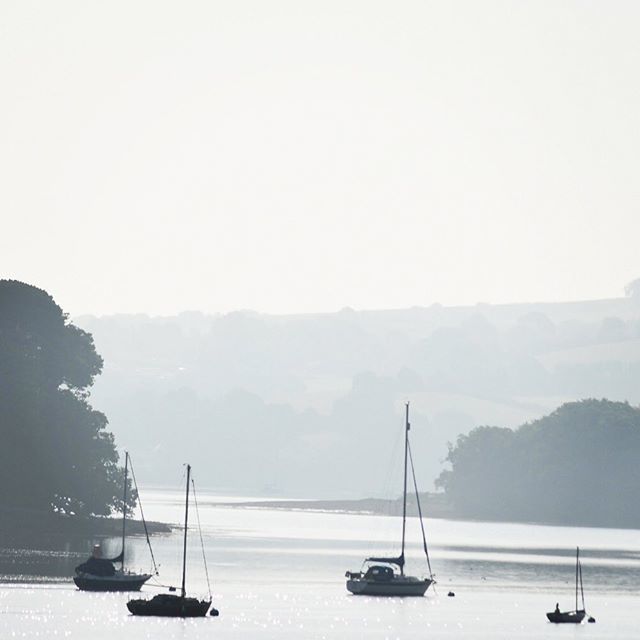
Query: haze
x,y
296,157
367,272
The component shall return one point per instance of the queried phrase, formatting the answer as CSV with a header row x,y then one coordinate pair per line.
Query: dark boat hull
x,y
570,617
169,606
122,582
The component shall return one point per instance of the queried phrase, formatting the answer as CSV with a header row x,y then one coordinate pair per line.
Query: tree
x,y
632,290
577,465
56,452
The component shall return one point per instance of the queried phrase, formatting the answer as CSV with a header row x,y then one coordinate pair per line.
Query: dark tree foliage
x,y
632,290
56,453
578,465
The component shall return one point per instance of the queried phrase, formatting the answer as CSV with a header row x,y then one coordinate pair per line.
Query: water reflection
x,y
276,545
48,559
280,574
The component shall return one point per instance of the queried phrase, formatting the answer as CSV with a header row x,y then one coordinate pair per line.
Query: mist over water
x,y
279,573
279,400
250,235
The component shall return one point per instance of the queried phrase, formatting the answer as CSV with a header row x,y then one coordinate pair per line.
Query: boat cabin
x,y
379,573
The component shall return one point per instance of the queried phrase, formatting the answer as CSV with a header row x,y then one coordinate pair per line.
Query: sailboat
x,y
170,605
576,616
98,573
386,576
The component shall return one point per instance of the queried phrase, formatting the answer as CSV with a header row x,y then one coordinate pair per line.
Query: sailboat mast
x,y
124,503
577,569
404,495
186,521
581,586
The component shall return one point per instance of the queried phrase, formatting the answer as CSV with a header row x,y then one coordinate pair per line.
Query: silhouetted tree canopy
x,y
56,453
578,465
633,288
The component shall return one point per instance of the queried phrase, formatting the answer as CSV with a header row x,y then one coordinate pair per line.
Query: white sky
x,y
303,156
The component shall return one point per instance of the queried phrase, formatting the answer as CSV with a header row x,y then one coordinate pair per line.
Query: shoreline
x,y
19,527
433,506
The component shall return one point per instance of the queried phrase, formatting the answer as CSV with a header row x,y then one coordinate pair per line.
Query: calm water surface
x,y
279,574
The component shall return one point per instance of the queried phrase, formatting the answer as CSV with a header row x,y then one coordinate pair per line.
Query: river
x,y
280,574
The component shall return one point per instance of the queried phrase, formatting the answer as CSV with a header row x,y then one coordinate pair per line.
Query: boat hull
x,y
571,617
398,587
169,606
117,582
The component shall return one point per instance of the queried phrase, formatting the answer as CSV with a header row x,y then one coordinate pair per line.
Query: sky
x,y
303,156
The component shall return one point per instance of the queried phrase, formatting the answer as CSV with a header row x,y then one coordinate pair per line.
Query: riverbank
x,y
433,505
33,529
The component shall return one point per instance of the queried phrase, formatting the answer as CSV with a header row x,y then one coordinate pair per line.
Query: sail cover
x,y
118,558
399,561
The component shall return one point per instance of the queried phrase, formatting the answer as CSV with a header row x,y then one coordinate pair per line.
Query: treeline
x,y
314,391
496,352
578,465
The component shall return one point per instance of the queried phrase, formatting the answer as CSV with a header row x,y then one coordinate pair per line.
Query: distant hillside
x,y
319,391
578,465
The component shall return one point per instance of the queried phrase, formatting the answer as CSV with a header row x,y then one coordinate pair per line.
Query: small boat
x,y
576,616
385,576
169,605
88,578
98,573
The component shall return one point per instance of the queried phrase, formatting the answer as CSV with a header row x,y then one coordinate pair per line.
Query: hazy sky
x,y
302,156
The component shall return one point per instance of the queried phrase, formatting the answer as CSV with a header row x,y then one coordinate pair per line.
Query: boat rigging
x,y
381,577
170,605
98,573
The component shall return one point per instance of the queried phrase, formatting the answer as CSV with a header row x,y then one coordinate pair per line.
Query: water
x,y
279,574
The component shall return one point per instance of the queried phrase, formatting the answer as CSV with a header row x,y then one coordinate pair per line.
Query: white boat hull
x,y
399,586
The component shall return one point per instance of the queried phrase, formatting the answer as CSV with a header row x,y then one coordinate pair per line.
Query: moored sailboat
x,y
170,605
98,573
576,616
385,576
